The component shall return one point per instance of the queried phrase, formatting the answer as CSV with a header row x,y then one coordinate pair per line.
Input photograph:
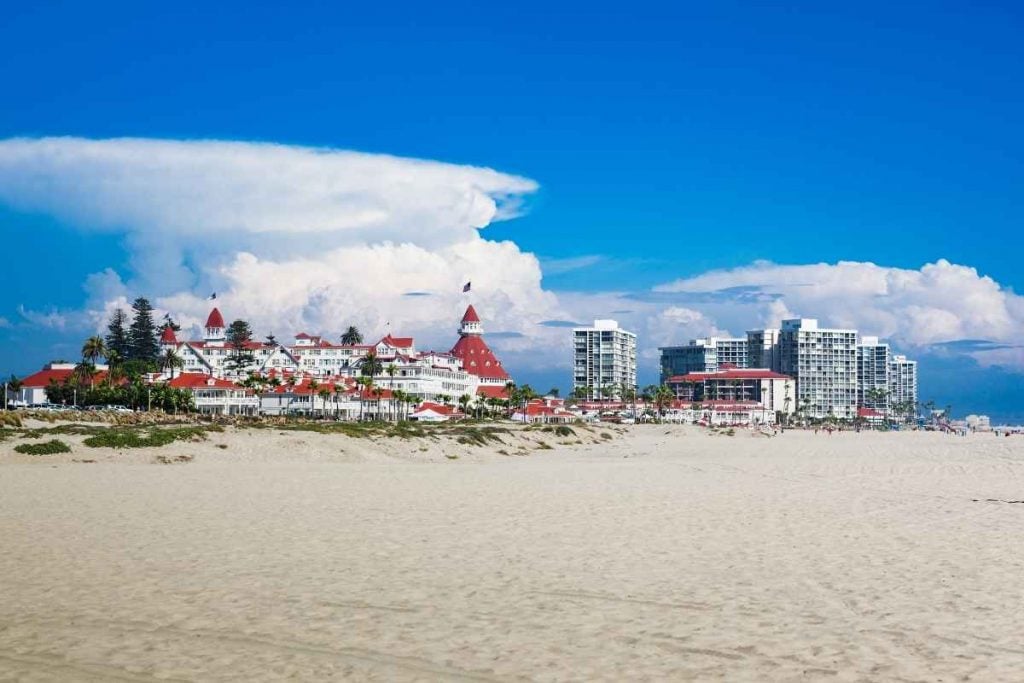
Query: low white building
x,y
773,391
721,413
213,396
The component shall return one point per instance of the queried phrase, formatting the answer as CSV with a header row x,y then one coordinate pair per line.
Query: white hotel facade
x,y
469,368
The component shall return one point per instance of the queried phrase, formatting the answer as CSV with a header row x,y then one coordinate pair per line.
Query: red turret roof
x,y
471,316
477,357
168,336
215,319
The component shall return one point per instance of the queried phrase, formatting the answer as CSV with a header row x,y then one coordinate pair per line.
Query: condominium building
x,y
873,364
703,355
763,349
604,360
824,363
903,384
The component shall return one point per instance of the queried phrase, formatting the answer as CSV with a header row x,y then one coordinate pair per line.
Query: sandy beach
x,y
665,553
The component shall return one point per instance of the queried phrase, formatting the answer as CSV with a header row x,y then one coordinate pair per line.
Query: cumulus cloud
x,y
297,238
292,238
916,308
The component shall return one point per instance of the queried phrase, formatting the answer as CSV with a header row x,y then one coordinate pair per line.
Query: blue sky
x,y
667,139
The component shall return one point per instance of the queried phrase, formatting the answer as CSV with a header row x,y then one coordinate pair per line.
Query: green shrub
x,y
563,430
606,435
50,447
138,438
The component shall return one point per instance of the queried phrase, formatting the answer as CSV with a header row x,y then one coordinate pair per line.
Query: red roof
x,y
167,337
397,342
470,315
491,391
195,380
477,357
868,412
727,374
43,377
437,408
215,319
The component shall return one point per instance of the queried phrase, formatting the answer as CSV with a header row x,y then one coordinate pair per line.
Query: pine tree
x,y
142,335
117,334
239,335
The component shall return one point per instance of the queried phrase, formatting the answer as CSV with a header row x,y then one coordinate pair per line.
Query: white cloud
x,y
291,238
296,238
4,322
939,302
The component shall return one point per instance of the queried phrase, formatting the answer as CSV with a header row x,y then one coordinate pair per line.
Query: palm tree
x,y
352,336
274,383
314,386
339,387
171,360
93,349
324,393
391,371
464,402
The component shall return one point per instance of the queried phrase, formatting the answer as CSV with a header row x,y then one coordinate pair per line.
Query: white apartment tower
x,y
763,349
824,363
903,383
604,357
873,365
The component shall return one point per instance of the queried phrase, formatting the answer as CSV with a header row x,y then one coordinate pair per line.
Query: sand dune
x,y
666,553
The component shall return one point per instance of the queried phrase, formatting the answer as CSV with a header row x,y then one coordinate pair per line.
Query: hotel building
x,y
703,355
873,365
470,367
903,382
604,356
824,363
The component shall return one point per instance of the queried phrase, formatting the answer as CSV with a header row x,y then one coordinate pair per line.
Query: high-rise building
x,y
903,385
763,349
604,360
703,355
824,363
873,359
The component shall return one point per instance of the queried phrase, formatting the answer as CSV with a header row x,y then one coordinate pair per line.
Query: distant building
x,y
703,355
903,384
824,363
763,349
770,390
604,357
873,366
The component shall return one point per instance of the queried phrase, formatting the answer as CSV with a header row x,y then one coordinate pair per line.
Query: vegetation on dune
x,y
9,419
50,447
115,437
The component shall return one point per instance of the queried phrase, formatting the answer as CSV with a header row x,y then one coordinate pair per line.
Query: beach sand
x,y
664,554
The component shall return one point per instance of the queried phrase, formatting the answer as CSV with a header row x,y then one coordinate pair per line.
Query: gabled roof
x,y
215,319
397,342
438,408
167,336
470,315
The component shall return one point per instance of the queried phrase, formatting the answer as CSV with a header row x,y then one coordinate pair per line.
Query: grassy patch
x,y
117,437
9,418
606,436
50,447
174,459
543,446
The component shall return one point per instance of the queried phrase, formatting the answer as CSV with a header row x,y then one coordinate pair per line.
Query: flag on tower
x,y
213,296
465,287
